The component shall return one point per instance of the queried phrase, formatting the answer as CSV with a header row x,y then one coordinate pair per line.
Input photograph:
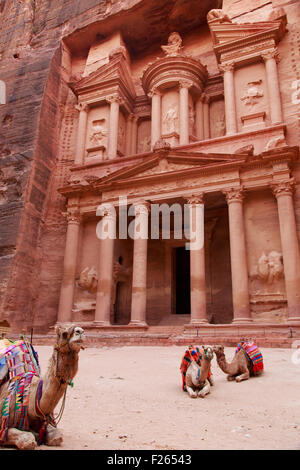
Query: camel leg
x,y
54,437
23,440
244,376
230,378
211,381
191,392
204,391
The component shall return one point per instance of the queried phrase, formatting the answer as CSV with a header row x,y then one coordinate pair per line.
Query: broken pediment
x,y
113,74
228,36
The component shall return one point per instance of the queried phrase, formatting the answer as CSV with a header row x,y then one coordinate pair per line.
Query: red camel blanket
x,y
254,354
191,354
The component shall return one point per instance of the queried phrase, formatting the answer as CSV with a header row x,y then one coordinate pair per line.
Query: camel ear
x,y
57,330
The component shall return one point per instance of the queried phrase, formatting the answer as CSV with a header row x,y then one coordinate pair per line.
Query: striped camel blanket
x,y
191,354
254,354
18,365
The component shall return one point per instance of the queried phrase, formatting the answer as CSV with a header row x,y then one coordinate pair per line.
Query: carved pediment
x,y
163,166
115,73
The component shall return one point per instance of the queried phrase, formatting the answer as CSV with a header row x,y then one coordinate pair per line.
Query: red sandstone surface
x,y
131,398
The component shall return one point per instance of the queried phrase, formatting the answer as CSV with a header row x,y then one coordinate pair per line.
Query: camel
x,y
240,368
197,381
62,368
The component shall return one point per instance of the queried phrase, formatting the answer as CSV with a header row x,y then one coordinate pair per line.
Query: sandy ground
x,y
131,398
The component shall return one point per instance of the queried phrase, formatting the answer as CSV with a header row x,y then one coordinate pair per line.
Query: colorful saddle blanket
x,y
254,354
191,354
19,363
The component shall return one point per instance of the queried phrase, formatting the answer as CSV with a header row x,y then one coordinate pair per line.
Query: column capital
x,y
227,67
234,194
73,216
194,199
141,207
114,98
154,91
184,83
283,188
82,107
205,98
271,54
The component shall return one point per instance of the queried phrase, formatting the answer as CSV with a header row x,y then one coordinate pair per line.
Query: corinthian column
x,y
238,256
197,259
271,58
139,273
114,101
184,86
81,133
107,235
69,268
283,192
155,96
129,134
229,97
206,117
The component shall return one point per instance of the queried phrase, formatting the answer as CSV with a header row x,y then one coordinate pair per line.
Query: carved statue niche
x,y
98,133
270,267
191,119
88,279
174,46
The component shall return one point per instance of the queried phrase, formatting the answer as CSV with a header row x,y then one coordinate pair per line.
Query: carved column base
x,y
101,323
242,320
137,323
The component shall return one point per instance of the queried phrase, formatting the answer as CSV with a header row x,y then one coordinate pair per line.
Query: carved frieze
x,y
252,94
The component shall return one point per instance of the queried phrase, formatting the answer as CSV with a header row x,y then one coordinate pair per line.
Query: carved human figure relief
x,y
170,120
191,119
252,93
98,133
145,144
174,45
270,267
88,279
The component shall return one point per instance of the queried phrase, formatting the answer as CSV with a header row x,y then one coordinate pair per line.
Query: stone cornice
x,y
132,176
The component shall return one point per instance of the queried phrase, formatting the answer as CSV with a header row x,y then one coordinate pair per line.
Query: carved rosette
x,y
234,194
283,188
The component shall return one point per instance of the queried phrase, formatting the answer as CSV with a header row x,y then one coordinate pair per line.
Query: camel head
x,y
69,338
208,352
218,349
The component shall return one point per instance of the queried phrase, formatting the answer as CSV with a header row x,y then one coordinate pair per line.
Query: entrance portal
x,y
181,258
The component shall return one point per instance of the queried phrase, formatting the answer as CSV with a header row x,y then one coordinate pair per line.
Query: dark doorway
x,y
182,281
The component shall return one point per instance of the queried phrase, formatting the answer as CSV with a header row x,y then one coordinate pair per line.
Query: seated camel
x,y
196,371
32,422
248,361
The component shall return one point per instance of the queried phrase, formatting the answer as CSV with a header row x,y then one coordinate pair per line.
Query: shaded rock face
x,y
36,112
